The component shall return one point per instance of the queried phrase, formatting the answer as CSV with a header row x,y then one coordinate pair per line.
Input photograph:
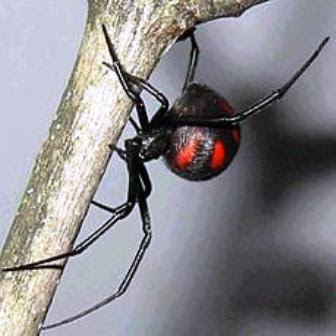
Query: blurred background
x,y
251,252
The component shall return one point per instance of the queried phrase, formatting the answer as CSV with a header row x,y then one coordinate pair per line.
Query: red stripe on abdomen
x,y
218,155
186,155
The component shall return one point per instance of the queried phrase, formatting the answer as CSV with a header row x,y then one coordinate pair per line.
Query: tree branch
x,y
91,115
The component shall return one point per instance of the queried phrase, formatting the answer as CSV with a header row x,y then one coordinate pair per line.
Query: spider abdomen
x,y
200,153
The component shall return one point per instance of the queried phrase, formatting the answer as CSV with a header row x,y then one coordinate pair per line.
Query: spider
x,y
198,136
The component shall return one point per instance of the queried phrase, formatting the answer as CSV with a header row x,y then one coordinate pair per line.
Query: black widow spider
x,y
198,137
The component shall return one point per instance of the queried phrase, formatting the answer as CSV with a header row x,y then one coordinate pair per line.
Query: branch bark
x,y
71,162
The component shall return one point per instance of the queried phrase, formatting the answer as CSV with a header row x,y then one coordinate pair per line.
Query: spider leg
x,y
193,60
274,96
161,113
122,76
278,94
45,263
122,211
134,124
146,228
121,152
103,206
146,184
123,155
159,96
145,180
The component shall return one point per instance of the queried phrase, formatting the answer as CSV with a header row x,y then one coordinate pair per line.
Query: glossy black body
x,y
201,101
